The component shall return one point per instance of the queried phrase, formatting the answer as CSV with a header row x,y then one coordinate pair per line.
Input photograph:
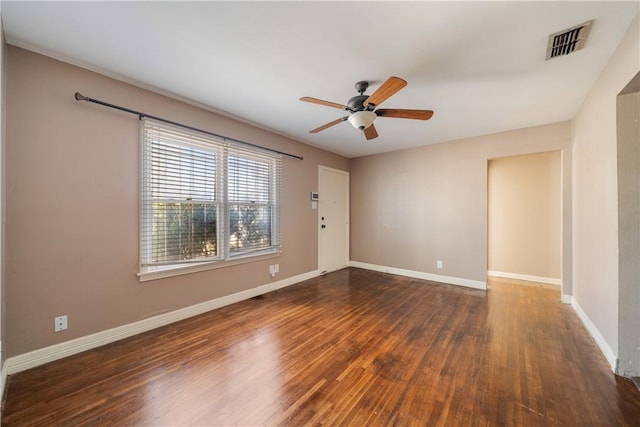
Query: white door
x,y
333,219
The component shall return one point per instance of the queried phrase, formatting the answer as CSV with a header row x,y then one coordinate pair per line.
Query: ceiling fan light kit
x,y
362,108
362,119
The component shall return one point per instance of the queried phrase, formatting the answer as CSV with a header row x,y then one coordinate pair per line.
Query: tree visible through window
x,y
183,231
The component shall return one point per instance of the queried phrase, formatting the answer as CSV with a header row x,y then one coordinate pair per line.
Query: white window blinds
x,y
251,201
203,199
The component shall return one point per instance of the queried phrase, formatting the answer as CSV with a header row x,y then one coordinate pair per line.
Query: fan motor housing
x,y
357,102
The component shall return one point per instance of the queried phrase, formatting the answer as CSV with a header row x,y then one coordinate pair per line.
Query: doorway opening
x,y
524,200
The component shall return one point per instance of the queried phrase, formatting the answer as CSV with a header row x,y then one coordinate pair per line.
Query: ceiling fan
x,y
362,108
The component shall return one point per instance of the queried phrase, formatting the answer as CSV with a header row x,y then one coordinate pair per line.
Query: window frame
x,y
222,150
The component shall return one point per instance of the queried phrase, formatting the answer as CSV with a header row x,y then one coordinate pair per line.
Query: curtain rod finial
x,y
80,97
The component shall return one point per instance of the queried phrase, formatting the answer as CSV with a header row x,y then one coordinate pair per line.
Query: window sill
x,y
154,273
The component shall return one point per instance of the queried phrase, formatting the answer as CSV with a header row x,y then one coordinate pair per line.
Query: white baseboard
x,y
58,351
477,284
566,299
607,351
527,277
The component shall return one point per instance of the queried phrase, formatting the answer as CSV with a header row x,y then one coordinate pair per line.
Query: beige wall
x,y
524,215
2,204
595,206
411,208
72,205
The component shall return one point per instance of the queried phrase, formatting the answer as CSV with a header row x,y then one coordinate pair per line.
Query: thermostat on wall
x,y
314,195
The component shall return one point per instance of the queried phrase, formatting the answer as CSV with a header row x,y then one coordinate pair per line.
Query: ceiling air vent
x,y
569,40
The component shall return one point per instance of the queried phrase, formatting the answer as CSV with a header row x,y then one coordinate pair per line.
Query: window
x,y
250,203
204,200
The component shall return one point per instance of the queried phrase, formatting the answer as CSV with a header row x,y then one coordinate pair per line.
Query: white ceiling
x,y
479,65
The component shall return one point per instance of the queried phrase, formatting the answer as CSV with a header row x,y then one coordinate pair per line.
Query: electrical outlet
x,y
277,268
60,323
439,264
272,270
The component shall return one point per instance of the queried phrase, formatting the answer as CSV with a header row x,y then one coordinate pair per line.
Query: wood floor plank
x,y
353,347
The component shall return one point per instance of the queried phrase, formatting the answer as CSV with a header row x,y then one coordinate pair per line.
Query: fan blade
x,y
328,125
370,132
388,88
321,102
405,114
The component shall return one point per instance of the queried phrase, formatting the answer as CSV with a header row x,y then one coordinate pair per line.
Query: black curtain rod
x,y
81,97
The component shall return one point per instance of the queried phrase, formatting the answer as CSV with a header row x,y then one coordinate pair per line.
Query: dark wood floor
x,y
351,348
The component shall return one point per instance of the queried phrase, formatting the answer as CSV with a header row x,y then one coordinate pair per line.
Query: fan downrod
x,y
357,102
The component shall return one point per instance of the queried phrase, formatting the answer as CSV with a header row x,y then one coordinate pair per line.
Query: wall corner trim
x,y
54,352
566,299
606,350
476,284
